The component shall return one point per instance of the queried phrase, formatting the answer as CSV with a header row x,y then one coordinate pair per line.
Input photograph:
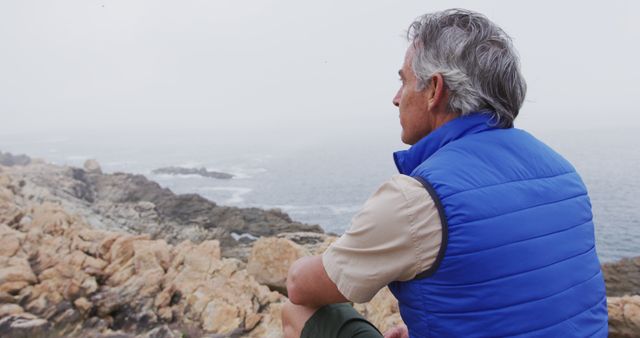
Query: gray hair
x,y
476,59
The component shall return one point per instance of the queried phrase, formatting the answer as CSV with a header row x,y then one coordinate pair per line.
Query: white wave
x,y
172,176
77,158
238,237
314,208
349,209
236,193
243,173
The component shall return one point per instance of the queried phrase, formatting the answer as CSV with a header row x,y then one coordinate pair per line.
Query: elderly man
x,y
486,231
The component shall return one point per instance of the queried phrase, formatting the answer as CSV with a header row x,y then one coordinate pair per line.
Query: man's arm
x,y
396,235
308,284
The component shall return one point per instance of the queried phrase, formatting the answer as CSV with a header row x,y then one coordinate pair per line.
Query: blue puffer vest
x,y
518,255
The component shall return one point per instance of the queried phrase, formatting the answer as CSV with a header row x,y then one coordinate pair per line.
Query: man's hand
x,y
308,284
399,331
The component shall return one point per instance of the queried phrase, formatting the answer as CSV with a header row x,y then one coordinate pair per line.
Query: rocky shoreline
x,y
88,254
132,203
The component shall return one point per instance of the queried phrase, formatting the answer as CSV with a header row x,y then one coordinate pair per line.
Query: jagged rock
x,y
10,241
271,257
161,332
83,304
92,166
382,311
10,309
66,273
15,274
624,316
24,326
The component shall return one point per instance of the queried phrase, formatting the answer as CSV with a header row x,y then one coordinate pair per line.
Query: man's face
x,y
414,105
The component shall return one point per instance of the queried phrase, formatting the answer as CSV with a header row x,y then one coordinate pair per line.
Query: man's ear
x,y
438,90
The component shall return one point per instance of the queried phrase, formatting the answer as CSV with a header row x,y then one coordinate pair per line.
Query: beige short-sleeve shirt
x,y
395,236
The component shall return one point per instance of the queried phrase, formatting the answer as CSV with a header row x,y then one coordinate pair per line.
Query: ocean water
x,y
326,183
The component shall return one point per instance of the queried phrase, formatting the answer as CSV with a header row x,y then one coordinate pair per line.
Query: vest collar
x,y
407,160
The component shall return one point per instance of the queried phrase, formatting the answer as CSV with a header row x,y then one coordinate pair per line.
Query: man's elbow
x,y
294,285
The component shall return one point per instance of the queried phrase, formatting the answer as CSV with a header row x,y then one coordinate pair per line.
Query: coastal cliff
x,y
88,254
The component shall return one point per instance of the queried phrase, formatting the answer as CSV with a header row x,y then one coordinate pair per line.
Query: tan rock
x,y
220,317
9,211
104,248
10,240
166,314
38,305
51,218
94,265
158,252
92,166
16,269
6,298
382,311
201,257
624,316
122,248
270,325
90,241
83,304
251,320
13,287
271,258
10,309
120,274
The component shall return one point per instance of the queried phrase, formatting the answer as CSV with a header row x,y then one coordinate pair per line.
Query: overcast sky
x,y
314,68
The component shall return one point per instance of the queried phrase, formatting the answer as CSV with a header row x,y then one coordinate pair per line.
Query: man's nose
x,y
396,99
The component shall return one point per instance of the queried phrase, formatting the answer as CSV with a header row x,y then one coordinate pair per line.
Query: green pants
x,y
338,321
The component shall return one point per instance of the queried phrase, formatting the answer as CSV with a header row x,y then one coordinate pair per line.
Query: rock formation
x,y
132,203
192,171
271,257
58,274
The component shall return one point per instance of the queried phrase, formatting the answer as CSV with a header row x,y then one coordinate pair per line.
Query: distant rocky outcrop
x,y
133,203
192,171
8,159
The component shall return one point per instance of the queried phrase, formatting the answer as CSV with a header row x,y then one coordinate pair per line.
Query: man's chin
x,y
406,141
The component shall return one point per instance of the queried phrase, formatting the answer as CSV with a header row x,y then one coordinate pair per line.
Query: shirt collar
x,y
407,160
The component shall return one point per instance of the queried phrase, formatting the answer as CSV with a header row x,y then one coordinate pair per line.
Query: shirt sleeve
x,y
396,235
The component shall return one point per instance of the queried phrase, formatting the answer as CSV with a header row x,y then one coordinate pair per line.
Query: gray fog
x,y
252,70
